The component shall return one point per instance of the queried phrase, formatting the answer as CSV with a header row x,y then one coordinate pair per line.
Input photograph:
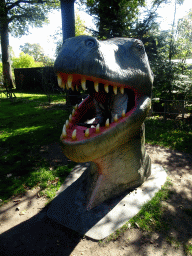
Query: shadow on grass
x,y
24,130
41,236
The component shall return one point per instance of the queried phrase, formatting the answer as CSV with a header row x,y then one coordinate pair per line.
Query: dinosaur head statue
x,y
118,77
106,127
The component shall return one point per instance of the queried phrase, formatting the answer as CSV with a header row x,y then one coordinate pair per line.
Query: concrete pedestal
x,y
69,206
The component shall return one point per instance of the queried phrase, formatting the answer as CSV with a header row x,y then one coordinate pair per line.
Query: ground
x,y
26,230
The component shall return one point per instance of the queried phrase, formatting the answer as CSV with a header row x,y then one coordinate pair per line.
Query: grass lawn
x,y
174,134
26,124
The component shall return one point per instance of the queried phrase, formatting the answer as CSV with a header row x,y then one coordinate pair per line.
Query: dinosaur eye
x,y
90,43
139,46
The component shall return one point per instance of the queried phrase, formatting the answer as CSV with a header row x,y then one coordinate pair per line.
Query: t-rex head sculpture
x,y
117,75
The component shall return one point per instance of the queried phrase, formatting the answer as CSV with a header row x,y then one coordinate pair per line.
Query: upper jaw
x,y
74,81
72,133
106,61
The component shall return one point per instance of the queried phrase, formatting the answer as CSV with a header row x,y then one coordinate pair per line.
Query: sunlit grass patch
x,y
149,217
188,248
175,134
24,129
48,179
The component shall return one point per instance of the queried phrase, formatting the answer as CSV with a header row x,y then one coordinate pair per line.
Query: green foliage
x,y
113,17
37,52
79,30
15,18
25,61
34,50
80,25
172,80
188,248
22,14
175,134
184,37
184,84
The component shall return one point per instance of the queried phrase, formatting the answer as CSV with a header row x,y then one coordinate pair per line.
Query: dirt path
x,y
26,230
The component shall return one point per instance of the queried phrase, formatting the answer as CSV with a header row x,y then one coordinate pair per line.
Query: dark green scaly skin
x,y
117,153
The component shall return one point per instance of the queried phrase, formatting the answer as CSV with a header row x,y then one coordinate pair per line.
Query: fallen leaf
x,y
23,212
137,225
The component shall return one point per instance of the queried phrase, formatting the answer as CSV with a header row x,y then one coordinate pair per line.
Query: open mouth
x,y
108,105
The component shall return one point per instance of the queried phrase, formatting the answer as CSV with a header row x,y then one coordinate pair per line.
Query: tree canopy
x,y
113,17
21,14
15,17
25,61
184,37
37,52
34,50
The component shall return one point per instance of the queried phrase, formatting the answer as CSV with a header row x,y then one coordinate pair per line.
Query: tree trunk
x,y
172,34
7,75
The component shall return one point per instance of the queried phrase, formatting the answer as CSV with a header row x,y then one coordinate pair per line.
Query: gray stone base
x,y
69,206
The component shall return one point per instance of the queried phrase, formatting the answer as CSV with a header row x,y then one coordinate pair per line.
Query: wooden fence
x,y
171,108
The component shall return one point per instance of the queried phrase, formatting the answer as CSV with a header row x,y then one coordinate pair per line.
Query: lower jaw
x,y
76,131
84,148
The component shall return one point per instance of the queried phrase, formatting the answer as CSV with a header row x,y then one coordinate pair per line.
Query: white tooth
x,y
123,113
63,85
106,87
73,112
107,123
67,123
69,81
91,121
115,89
76,106
64,133
122,90
97,128
87,132
67,86
59,80
116,118
70,118
83,84
96,86
74,134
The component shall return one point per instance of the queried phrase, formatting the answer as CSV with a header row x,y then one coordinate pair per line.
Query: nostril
x,y
90,43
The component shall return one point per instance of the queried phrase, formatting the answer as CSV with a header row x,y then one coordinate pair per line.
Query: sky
x,y
43,35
